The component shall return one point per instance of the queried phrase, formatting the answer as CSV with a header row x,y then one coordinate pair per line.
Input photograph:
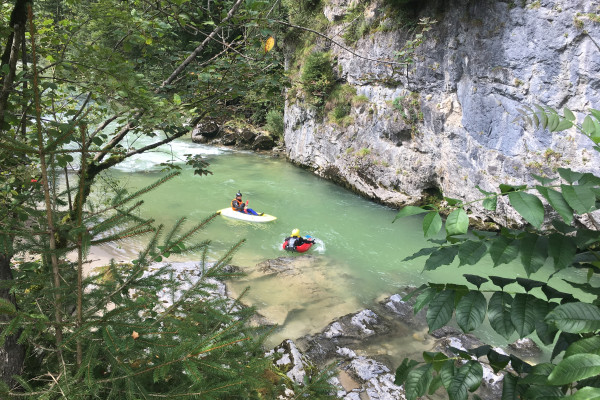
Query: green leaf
x,y
499,312
467,379
440,310
504,188
563,124
504,250
538,375
457,222
470,252
568,114
546,333
475,280
447,372
408,211
588,126
442,256
575,317
432,223
534,252
424,298
553,121
436,359
423,252
491,200
529,206
575,368
562,249
497,360
522,314
557,201
586,393
569,175
452,202
417,381
542,180
470,311
581,198
589,345
435,384
403,370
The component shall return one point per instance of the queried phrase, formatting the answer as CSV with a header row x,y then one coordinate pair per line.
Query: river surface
x,y
358,259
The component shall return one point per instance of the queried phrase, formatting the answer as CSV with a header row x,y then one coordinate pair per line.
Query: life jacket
x,y
291,243
237,205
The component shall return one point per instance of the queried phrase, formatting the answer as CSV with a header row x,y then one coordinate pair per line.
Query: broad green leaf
x,y
538,375
423,252
568,114
403,370
575,368
553,121
575,317
589,345
499,311
470,311
563,125
447,372
451,201
436,359
519,365
497,361
432,223
522,314
534,252
588,126
562,249
545,332
481,350
569,175
563,342
491,200
543,392
467,379
424,298
543,119
415,292
542,180
557,201
504,188
475,280
440,310
409,210
471,251
435,384
589,179
581,198
417,381
457,222
442,256
529,206
552,293
504,250
586,393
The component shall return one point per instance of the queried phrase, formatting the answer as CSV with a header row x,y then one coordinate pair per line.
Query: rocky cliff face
x,y
445,123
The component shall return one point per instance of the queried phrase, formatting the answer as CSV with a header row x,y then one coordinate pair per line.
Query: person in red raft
x,y
297,243
238,204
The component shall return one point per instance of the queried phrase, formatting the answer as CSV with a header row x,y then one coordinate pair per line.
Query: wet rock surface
x,y
220,133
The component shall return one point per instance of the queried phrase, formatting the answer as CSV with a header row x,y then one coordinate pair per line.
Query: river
x,y
358,258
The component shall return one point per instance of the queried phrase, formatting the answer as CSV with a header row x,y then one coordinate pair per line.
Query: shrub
x,y
274,124
317,77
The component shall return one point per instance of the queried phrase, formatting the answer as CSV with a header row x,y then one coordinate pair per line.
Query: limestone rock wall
x,y
480,62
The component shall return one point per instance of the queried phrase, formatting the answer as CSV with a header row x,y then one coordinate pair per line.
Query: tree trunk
x,y
12,354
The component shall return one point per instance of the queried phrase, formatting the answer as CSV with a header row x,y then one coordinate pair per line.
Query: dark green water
x,y
359,257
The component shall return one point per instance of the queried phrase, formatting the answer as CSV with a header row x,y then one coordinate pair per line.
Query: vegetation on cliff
x,y
569,325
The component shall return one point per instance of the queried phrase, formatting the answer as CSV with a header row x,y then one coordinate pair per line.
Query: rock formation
x,y
444,124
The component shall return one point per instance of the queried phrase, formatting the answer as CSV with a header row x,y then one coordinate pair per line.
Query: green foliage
x,y
104,76
275,123
531,307
317,77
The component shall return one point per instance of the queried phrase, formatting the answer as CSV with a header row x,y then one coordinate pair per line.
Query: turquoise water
x,y
358,258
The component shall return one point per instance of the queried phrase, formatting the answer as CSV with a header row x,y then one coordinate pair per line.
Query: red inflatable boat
x,y
300,249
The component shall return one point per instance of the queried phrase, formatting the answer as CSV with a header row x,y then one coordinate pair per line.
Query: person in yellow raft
x,y
238,204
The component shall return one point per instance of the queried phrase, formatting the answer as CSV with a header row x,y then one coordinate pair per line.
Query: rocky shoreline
x,y
359,344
